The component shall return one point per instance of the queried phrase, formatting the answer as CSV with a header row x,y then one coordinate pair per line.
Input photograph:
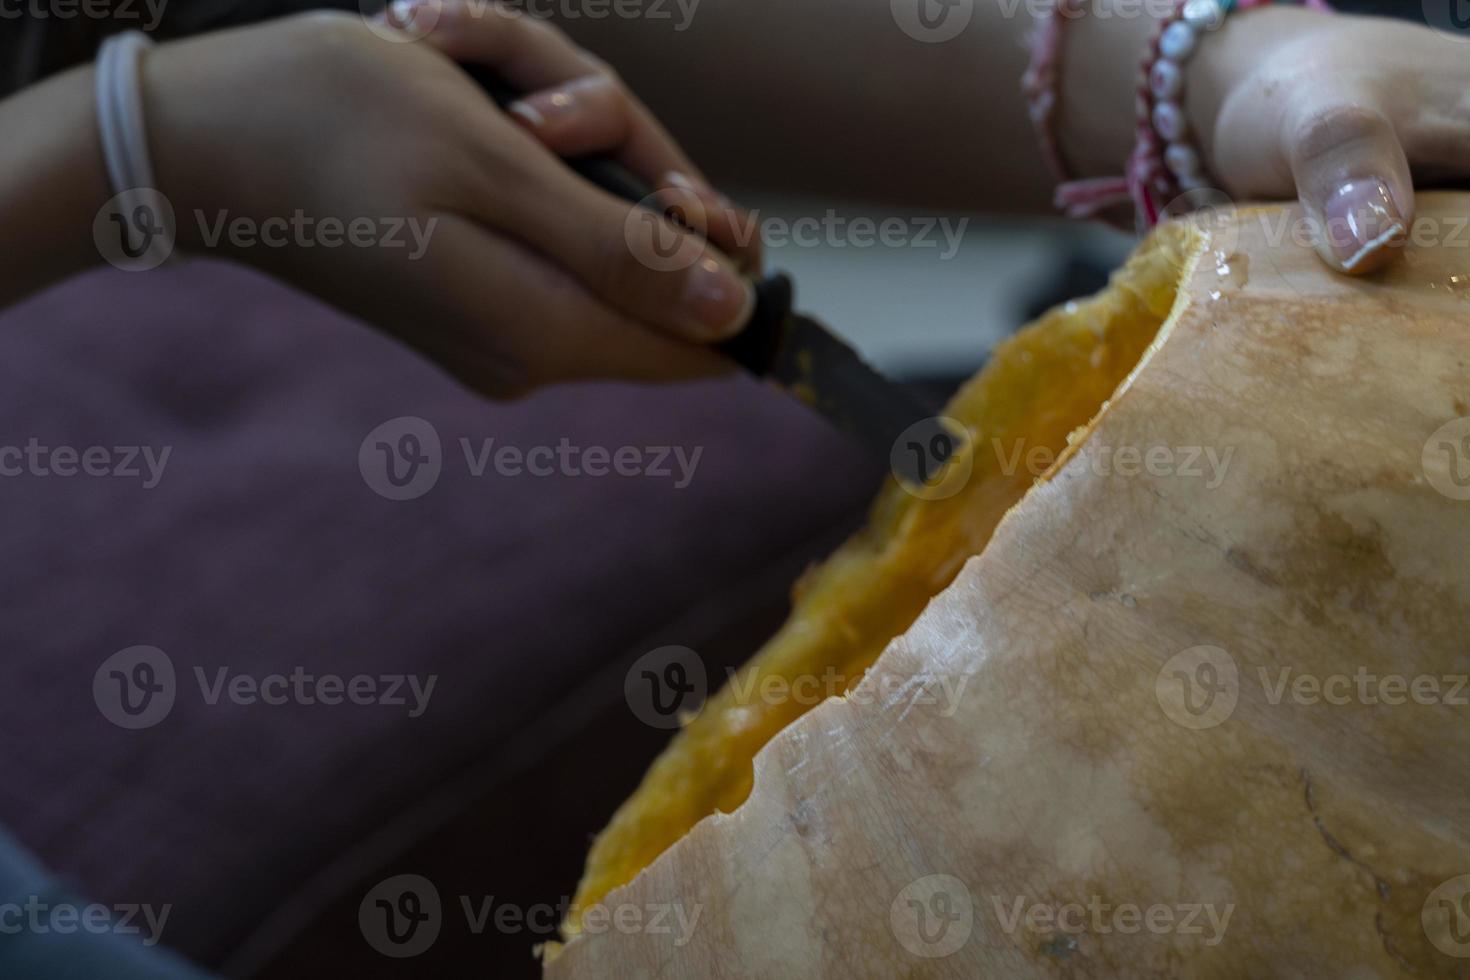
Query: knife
x,y
806,359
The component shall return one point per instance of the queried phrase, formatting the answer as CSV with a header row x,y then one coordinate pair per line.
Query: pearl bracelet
x,y
1165,164
1177,44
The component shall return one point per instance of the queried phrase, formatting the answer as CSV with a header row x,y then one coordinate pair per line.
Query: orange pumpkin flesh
x,y
1040,387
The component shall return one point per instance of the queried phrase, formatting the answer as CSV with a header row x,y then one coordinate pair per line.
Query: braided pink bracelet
x,y
1042,84
1164,163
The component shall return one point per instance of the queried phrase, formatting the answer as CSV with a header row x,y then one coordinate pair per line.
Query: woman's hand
x,y
1344,112
529,274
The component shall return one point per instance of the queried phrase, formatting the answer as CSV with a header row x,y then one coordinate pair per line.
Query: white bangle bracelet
x,y
143,216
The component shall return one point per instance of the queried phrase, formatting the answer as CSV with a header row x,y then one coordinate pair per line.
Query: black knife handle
x,y
754,348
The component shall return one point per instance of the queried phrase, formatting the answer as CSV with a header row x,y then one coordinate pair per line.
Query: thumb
x,y
1354,180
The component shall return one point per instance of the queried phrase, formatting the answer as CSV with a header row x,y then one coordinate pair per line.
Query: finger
x,y
1354,180
576,106
587,108
597,115
702,209
527,53
501,305
633,259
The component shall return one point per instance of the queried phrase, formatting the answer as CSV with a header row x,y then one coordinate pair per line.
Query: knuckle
x,y
619,276
1328,129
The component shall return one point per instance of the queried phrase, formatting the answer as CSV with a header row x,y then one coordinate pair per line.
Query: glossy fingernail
x,y
1362,220
682,181
717,299
526,113
407,14
557,104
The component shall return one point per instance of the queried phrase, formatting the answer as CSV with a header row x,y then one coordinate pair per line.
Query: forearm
x,y
1092,89
833,96
52,183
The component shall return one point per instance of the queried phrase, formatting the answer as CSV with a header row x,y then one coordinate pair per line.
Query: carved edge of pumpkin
x,y
775,822
1196,247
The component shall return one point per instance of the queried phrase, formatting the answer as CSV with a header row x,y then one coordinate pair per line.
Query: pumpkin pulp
x,y
1039,389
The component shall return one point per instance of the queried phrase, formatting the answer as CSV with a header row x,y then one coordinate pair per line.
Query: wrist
x,y
1226,66
1099,84
53,183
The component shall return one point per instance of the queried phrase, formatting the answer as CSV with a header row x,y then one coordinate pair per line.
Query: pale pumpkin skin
x,y
1039,388
1333,835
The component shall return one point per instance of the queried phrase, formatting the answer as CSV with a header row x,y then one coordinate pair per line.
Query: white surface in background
x,y
910,310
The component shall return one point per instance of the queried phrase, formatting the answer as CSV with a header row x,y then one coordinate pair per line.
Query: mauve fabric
x,y
263,549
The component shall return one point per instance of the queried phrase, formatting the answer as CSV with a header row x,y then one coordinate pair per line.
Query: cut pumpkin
x,y
1039,388
1214,718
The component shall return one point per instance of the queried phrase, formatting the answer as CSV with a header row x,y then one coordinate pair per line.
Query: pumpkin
x,y
1113,642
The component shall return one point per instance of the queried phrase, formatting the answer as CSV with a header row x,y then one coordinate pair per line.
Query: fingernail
x,y
718,299
526,113
684,182
545,107
1362,221
422,16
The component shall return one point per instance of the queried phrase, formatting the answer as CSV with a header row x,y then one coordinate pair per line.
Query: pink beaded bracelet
x,y
1165,163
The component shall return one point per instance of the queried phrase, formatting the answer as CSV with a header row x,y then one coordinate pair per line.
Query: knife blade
x,y
798,353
